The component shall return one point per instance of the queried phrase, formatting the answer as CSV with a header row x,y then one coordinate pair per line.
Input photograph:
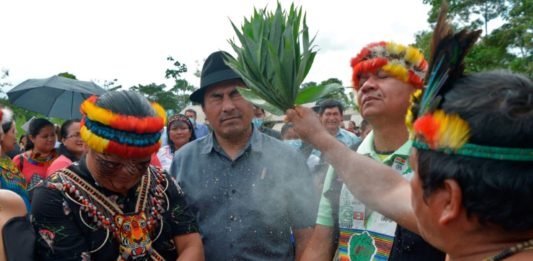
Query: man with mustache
x,y
385,75
250,192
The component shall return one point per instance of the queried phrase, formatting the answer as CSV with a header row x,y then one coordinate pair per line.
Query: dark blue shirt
x,y
246,207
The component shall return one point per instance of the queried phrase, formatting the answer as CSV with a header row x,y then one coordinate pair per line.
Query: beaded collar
x,y
135,232
522,246
41,161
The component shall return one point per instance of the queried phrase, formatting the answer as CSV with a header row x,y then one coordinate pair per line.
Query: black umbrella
x,y
54,97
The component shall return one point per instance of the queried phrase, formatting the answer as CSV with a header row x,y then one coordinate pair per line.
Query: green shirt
x,y
358,225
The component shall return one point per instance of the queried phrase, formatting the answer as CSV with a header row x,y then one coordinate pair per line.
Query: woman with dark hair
x,y
40,152
113,204
180,131
10,178
71,147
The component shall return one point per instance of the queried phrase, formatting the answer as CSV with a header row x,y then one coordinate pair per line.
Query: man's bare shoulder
x,y
11,205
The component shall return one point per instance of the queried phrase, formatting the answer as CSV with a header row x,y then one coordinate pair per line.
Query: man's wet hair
x,y
328,104
498,106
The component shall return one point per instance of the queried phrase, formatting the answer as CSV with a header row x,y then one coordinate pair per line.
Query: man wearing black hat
x,y
248,190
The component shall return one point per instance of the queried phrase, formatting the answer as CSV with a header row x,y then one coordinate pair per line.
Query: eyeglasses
x,y
76,135
109,167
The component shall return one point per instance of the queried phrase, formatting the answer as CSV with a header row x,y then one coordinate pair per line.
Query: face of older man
x,y
229,114
381,95
116,173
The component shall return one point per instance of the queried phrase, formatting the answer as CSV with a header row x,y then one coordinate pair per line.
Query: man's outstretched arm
x,y
384,190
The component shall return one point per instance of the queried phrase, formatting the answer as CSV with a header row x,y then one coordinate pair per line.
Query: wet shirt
x,y
246,207
64,232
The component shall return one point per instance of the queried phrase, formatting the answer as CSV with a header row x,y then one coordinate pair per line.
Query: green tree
x,y
4,74
68,75
308,84
340,94
182,89
476,13
509,46
111,85
174,98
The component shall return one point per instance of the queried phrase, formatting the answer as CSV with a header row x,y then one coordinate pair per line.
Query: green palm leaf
x,y
273,58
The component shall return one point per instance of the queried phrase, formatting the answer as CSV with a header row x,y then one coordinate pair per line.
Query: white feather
x,y
7,115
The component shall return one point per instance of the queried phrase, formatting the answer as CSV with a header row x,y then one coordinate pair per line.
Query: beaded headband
x,y
404,63
181,118
434,129
123,135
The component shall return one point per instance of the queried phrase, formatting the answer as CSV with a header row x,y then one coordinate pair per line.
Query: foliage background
x,y
508,46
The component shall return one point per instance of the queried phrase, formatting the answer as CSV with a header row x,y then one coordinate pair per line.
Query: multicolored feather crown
x,y
442,131
125,135
405,63
434,129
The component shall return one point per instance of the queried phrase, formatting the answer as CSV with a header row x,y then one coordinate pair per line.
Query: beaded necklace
x,y
42,161
134,232
522,246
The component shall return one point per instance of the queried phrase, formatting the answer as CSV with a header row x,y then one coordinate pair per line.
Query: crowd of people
x,y
439,169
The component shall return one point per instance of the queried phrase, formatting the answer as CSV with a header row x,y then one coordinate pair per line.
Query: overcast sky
x,y
129,40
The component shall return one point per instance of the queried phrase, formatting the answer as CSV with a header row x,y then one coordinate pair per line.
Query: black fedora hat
x,y
214,71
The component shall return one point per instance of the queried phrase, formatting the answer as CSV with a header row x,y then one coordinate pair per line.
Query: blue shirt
x,y
200,130
347,138
246,207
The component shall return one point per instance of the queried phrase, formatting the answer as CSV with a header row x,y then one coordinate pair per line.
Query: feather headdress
x,y
432,126
126,135
404,63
